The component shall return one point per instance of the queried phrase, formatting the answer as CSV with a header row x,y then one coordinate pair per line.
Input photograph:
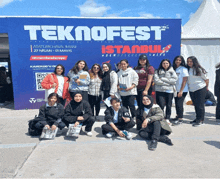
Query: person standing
x,y
79,79
58,81
128,81
217,91
94,88
165,79
109,81
198,85
179,66
145,72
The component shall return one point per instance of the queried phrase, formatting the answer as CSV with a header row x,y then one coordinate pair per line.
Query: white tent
x,y
201,37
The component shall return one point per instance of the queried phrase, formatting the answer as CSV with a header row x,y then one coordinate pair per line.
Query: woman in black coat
x,y
51,114
217,90
78,111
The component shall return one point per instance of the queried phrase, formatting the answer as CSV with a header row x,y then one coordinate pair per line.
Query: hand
x,y
120,133
144,124
48,127
128,89
53,127
112,96
126,119
54,85
120,89
180,94
80,118
77,81
145,92
76,124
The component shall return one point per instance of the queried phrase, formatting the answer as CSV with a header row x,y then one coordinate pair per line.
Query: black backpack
x,y
32,130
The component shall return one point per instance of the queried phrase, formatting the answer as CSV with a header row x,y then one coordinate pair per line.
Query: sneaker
x,y
177,122
153,145
88,133
165,140
110,134
128,136
168,121
197,124
192,122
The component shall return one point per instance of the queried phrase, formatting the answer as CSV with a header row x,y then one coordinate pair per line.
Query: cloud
x,y
190,1
117,14
91,9
149,16
178,16
5,2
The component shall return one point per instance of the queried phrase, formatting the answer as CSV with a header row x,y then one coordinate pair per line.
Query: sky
x,y
173,9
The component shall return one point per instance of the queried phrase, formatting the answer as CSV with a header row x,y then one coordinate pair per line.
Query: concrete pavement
x,y
196,151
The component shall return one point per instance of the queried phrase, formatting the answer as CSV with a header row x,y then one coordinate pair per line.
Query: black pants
x,y
106,128
84,95
165,99
3,93
39,125
153,131
128,101
140,96
62,101
94,101
198,99
179,105
217,113
88,123
106,94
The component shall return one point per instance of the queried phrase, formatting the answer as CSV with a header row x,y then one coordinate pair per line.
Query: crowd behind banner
x,y
76,99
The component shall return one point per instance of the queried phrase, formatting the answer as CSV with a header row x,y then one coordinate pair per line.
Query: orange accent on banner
x,y
48,57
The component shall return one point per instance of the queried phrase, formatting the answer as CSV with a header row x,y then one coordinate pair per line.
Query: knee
x,y
156,123
38,125
61,125
92,119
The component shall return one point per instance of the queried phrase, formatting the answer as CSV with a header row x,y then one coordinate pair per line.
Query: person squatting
x,y
82,91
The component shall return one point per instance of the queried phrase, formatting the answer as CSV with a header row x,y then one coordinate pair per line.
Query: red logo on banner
x,y
48,57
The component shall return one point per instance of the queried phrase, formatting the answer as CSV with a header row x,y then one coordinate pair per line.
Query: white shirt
x,y
115,119
181,72
61,84
196,82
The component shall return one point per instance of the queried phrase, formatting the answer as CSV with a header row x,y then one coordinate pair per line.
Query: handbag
x,y
49,91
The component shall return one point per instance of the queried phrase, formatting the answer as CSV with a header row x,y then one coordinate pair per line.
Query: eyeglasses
x,y
96,68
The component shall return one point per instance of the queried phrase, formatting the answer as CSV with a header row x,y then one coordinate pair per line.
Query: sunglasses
x,y
96,68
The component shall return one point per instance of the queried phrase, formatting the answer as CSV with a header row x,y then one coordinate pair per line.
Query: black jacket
x,y
217,83
122,112
51,114
72,112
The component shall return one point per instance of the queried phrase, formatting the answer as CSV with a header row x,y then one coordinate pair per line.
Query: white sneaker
x,y
88,133
168,121
128,136
110,134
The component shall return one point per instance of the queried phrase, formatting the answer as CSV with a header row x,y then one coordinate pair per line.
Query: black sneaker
x,y
197,124
153,145
192,122
165,140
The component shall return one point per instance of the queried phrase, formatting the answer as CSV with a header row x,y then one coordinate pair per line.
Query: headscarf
x,y
73,102
106,83
142,107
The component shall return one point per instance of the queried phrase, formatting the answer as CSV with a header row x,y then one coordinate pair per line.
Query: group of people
x,y
86,88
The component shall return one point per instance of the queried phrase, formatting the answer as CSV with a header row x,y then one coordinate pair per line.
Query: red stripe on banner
x,y
48,57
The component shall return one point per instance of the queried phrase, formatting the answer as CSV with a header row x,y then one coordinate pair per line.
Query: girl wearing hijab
x,y
79,111
51,114
150,119
109,81
79,79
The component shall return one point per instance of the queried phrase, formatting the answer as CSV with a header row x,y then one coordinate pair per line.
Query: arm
x,y
68,116
87,111
108,117
158,81
134,81
172,79
42,115
114,83
182,86
149,82
47,82
157,114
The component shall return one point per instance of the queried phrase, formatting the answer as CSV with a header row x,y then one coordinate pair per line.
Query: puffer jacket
x,y
166,80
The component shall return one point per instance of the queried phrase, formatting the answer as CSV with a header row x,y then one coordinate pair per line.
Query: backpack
x,y
32,130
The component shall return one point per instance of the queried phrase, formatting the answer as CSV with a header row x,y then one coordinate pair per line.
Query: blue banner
x,y
37,45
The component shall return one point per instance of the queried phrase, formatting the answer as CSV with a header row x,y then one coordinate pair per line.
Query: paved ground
x,y
195,154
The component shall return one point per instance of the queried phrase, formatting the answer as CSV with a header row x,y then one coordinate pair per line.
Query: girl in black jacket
x,y
51,114
117,120
79,111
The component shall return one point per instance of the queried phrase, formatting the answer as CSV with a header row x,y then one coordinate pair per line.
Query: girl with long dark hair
x,y
58,81
128,81
145,72
198,86
94,88
181,87
79,79
165,79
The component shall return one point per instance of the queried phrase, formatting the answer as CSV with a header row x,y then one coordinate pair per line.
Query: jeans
x,y
179,105
165,99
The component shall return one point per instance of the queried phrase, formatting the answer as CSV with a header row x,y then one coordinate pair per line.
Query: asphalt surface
x,y
195,153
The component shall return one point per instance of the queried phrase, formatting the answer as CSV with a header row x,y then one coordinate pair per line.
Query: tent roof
x,y
205,23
